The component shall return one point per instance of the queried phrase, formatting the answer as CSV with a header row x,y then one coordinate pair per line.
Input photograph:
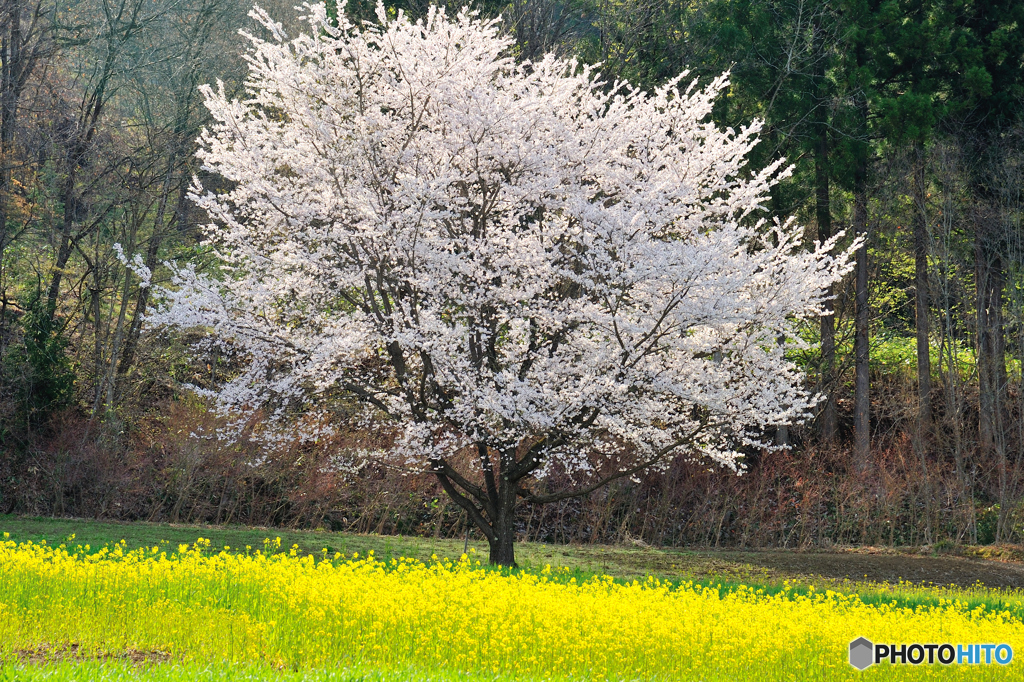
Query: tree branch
x,y
488,467
466,504
441,467
556,497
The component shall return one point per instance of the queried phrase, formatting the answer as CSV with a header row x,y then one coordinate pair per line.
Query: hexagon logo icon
x,y
861,651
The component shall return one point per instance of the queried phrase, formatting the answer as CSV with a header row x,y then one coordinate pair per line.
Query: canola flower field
x,y
210,613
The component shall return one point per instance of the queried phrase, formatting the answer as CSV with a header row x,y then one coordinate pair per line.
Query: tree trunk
x,y
991,344
183,133
862,405
495,517
94,101
491,506
823,213
922,301
992,377
922,294
503,522
22,45
502,545
10,64
10,42
861,152
64,250
131,341
823,216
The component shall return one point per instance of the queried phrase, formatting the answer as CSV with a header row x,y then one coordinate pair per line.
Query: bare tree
x,y
190,53
1006,180
113,35
26,39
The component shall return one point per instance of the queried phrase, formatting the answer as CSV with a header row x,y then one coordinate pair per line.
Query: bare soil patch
x,y
47,653
864,564
997,567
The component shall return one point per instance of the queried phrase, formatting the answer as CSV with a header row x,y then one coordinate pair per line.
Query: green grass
x,y
722,569
621,562
123,671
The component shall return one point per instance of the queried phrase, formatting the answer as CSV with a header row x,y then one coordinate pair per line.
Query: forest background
x,y
902,120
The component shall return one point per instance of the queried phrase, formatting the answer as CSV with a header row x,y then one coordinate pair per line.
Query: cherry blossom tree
x,y
513,265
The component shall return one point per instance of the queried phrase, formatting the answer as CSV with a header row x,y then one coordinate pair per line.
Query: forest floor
x,y
997,567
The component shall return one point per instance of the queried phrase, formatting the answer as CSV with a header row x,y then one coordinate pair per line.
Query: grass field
x,y
126,601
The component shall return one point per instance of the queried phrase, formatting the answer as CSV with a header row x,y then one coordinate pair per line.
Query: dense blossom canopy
x,y
486,252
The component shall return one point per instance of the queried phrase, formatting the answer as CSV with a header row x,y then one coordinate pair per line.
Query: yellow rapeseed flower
x,y
304,612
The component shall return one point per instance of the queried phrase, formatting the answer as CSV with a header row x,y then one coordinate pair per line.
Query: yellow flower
x,y
318,612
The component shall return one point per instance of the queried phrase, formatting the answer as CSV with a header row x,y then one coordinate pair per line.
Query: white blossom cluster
x,y
136,265
481,251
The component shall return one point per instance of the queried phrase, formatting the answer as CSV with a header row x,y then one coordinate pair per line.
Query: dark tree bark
x,y
21,47
491,506
922,307
24,41
862,398
823,216
991,335
861,152
921,295
828,320
502,546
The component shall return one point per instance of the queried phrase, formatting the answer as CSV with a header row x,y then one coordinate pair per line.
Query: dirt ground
x,y
886,567
996,567
73,652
